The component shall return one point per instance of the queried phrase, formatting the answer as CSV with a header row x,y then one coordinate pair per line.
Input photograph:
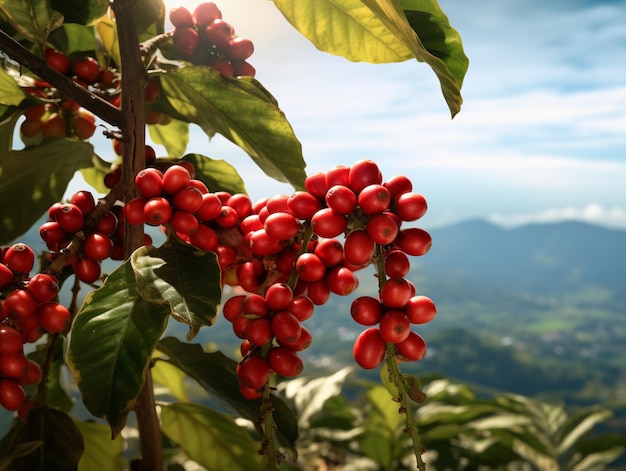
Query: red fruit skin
x,y
301,343
149,182
204,238
397,264
13,366
175,178
413,348
186,39
398,185
70,218
382,228
286,326
278,296
330,251
369,349
188,198
253,372
241,203
338,175
394,326
43,287
54,317
316,185
87,270
58,61
366,310
302,307
239,49
362,174
10,341
20,258
328,223
243,69
395,293
219,33
97,246
303,205
6,276
318,292
259,331
358,247
255,305
285,362
341,281
413,241
374,199
133,211
341,199
181,17
410,206
420,309
206,12
19,304
211,207
183,222
84,200
282,226
11,394
310,268
87,69
157,211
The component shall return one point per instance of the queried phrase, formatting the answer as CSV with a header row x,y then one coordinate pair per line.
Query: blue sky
x,y
541,135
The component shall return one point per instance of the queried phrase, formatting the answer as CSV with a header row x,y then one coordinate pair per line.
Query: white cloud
x,y
614,216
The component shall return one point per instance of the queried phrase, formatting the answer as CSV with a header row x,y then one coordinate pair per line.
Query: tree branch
x,y
66,86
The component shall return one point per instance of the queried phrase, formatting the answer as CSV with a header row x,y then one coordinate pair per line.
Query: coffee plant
x,y
70,68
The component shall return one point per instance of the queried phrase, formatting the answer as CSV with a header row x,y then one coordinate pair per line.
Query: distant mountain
x,y
555,258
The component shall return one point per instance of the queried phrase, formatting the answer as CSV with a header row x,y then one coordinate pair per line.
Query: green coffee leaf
x,y
216,373
10,93
60,443
113,337
183,279
37,177
81,12
242,111
174,136
172,378
218,175
210,438
33,19
101,452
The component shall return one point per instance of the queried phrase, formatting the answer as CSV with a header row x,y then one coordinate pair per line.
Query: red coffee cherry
x,y
181,17
398,185
330,251
206,12
382,228
310,267
70,218
369,348
10,341
33,373
54,317
301,343
413,348
58,61
87,270
341,199
278,296
87,69
286,326
414,241
11,394
20,258
241,203
256,305
318,292
394,326
358,247
362,174
19,304
374,199
420,309
211,207
259,331
285,362
83,124
282,226
395,293
84,200
397,264
302,307
175,178
263,244
219,33
243,69
55,126
149,182
188,198
337,175
366,310
253,372
204,238
183,222
157,211
303,205
227,217
97,246
186,39
13,366
43,287
233,307
341,281
239,49
316,185
328,223
410,206
134,211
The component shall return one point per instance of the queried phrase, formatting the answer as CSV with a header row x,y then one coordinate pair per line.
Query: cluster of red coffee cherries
x,y
206,39
27,310
56,116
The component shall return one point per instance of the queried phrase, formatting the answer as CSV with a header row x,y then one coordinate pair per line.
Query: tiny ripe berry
x,y
10,341
87,270
204,238
341,281
285,362
233,307
241,203
310,267
366,310
301,343
186,39
20,258
149,182
411,206
239,49
6,276
219,33
188,198
338,175
133,211
243,69
382,228
330,251
369,348
54,317
278,296
341,199
87,69
11,394
282,226
374,199
420,309
253,372
394,326
395,293
397,264
157,211
227,217
58,61
413,241
328,223
301,307
181,17
398,185
206,12
303,205
358,247
70,218
183,222
97,246
84,200
362,174
256,305
19,304
13,366
175,178
259,331
413,348
43,287
318,292
286,326
316,185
